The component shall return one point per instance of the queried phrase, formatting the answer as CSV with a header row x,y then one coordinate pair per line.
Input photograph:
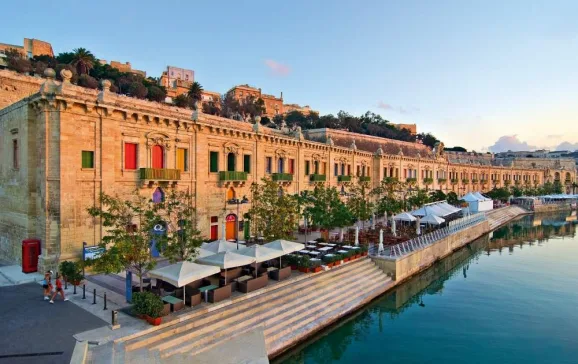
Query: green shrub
x,y
304,261
147,303
320,240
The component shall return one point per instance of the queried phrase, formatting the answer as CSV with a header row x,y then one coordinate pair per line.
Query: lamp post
x,y
236,201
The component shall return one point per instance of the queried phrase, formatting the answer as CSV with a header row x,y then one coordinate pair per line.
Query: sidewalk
x,y
11,275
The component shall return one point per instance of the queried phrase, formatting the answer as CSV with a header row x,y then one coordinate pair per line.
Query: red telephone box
x,y
30,253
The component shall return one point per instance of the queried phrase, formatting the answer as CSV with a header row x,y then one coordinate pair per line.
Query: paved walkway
x,y
34,331
12,275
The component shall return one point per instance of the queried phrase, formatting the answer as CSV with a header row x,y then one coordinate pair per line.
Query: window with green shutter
x,y
214,162
307,168
87,159
247,163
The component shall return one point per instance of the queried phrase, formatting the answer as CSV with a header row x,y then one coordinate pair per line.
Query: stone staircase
x,y
286,315
503,215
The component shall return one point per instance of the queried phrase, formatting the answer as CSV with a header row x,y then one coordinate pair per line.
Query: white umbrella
x,y
219,246
261,254
286,246
340,234
224,237
183,273
418,226
380,248
226,260
404,216
432,220
385,218
356,235
393,227
373,221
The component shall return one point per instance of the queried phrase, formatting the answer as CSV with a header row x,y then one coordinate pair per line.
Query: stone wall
x,y
14,87
406,266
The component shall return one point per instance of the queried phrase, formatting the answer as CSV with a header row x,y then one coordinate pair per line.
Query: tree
x,y
230,106
211,108
387,196
437,195
501,194
83,60
359,205
452,198
156,93
427,139
327,210
181,101
128,232
87,81
274,214
138,90
456,149
517,191
183,236
418,198
195,93
16,62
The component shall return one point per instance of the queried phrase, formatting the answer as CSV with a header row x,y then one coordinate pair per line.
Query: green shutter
x,y
306,168
247,163
87,159
214,167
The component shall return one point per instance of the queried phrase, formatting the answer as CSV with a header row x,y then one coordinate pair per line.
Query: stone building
x,y
411,127
273,105
124,67
30,48
64,145
305,110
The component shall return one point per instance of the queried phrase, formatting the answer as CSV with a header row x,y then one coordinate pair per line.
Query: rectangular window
x,y
367,172
214,219
358,171
336,169
342,169
268,164
87,159
292,166
306,168
349,169
323,168
15,161
183,159
214,162
130,150
247,163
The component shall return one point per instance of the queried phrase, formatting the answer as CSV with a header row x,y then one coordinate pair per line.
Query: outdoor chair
x,y
280,274
254,284
166,309
192,296
219,294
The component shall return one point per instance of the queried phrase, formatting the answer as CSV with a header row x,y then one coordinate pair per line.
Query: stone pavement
x,y
34,331
12,275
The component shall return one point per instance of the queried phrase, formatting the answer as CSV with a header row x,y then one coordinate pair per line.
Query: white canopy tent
x,y
226,260
404,216
477,204
183,273
432,220
479,195
261,253
449,207
219,246
286,246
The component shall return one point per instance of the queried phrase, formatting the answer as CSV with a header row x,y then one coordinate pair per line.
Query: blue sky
x,y
481,74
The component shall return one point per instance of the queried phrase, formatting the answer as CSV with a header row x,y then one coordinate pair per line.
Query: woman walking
x,y
58,289
47,285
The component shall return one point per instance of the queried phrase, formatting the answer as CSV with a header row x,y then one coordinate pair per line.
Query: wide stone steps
x,y
284,294
499,217
260,315
288,317
284,314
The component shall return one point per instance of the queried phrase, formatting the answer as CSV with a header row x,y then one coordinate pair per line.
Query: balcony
x,y
317,178
454,181
465,181
343,178
411,180
475,181
364,178
282,177
160,176
427,181
441,181
228,177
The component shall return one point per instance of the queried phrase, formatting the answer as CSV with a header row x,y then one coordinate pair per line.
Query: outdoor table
x,y
173,301
347,246
355,247
325,249
323,244
243,278
332,245
330,255
310,246
314,253
304,251
271,269
314,260
342,251
311,242
206,289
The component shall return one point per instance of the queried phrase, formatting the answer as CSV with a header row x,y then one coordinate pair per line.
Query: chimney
x,y
281,95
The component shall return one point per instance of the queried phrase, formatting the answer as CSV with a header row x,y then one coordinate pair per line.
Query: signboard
x,y
92,252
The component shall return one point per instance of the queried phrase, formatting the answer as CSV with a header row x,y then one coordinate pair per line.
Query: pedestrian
x,y
47,285
58,289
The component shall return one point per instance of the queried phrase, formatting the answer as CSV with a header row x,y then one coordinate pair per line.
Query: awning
x,y
404,216
219,246
470,197
182,273
226,260
260,253
286,246
432,220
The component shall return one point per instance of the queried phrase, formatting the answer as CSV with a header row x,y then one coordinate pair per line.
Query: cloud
x,y
554,136
510,142
277,68
567,146
398,109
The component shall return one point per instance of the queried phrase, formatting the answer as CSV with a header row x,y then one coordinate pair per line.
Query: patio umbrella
x,y
219,246
183,273
373,221
393,227
226,260
418,226
380,248
261,254
432,220
285,246
385,218
224,237
404,216
356,235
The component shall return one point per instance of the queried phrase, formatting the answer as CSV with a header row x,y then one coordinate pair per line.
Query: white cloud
x,y
567,146
399,109
510,142
277,68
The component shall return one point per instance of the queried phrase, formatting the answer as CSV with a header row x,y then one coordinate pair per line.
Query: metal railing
x,y
401,249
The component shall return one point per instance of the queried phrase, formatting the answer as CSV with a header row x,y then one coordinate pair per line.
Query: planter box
x,y
154,321
316,269
336,263
330,265
364,254
293,267
345,260
303,270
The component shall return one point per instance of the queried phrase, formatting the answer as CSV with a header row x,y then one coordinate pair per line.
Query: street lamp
x,y
236,201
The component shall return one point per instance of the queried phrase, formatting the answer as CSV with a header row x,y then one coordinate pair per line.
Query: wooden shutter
x,y
182,159
130,156
87,159
247,163
214,162
158,157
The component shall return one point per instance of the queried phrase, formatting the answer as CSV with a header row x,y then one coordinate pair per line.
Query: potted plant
x,y
304,264
329,261
364,251
293,261
337,260
66,269
315,267
149,305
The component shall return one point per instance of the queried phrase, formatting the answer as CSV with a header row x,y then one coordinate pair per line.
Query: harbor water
x,y
510,297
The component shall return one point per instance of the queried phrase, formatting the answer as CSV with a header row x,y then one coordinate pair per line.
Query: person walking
x,y
58,289
47,285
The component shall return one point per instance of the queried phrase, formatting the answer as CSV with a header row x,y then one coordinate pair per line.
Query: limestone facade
x,y
64,145
30,48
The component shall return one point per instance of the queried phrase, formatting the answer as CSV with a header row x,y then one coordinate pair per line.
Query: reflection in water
x,y
375,325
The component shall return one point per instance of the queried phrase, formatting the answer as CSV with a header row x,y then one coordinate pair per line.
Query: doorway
x,y
231,227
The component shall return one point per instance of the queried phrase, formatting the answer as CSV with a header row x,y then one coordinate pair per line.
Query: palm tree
x,y
195,93
83,60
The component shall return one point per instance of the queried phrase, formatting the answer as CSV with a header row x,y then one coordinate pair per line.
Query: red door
x,y
158,157
214,232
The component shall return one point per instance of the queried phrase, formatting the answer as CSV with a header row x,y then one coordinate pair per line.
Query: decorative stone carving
x,y
280,153
379,151
49,87
66,75
353,146
232,148
158,139
330,141
298,134
438,149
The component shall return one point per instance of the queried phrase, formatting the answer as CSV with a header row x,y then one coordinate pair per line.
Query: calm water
x,y
511,298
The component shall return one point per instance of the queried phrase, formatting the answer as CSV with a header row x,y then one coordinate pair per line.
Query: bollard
x,y
94,297
74,292
114,318
105,301
84,291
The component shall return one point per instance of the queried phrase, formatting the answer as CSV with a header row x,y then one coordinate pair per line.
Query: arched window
x,y
158,195
158,157
231,162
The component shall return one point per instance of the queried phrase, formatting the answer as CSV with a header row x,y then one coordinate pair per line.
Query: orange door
x,y
231,227
158,157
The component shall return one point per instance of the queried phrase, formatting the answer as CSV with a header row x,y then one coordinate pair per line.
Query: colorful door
x,y
214,232
158,157
231,227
